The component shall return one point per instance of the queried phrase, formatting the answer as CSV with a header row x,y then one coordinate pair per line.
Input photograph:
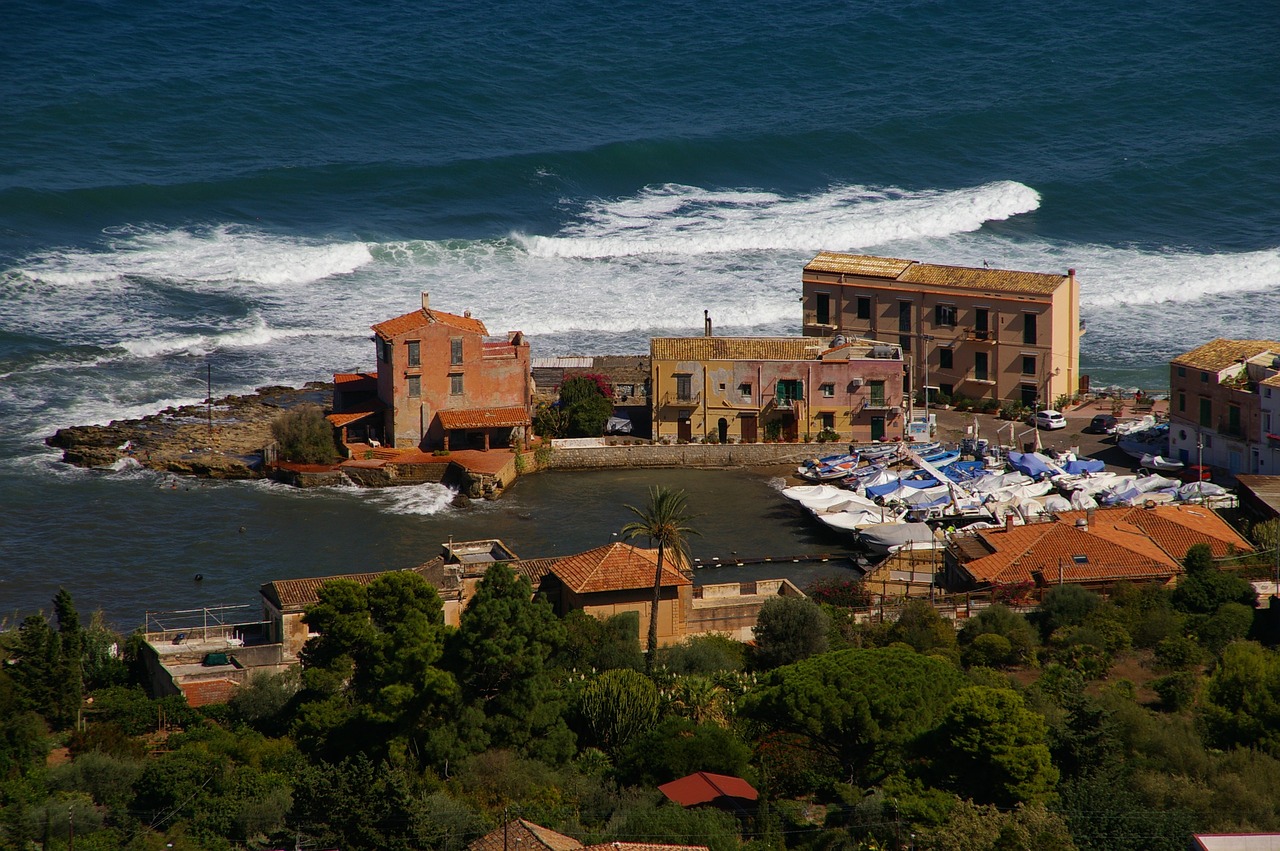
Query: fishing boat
x,y
1159,462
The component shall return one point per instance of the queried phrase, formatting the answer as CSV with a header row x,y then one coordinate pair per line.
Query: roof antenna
x,y
706,323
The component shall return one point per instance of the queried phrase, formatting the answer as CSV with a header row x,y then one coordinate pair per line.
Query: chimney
x,y
706,322
1008,522
466,314
1089,515
426,302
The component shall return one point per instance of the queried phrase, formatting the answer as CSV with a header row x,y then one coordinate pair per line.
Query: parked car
x,y
1194,473
1049,420
1103,424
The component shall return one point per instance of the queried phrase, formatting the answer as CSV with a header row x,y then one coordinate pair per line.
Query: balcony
x,y
972,335
676,400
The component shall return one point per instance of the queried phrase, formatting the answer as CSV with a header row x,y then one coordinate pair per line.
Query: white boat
x,y
1159,462
855,519
1152,441
883,537
1132,426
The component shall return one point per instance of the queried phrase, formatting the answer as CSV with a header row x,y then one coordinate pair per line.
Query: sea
x,y
239,190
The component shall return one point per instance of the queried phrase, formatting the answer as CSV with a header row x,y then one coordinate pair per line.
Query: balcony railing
x,y
676,400
975,336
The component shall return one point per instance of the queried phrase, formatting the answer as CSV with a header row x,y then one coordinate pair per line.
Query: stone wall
x,y
687,455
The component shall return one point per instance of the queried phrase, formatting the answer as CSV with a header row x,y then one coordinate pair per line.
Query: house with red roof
x,y
1095,548
440,383
703,787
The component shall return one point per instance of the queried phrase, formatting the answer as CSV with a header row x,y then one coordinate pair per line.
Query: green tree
x,y
860,708
1065,605
372,673
616,706
664,521
787,630
998,620
601,644
703,654
501,655
586,406
990,747
38,670
678,747
1205,588
672,824
1242,699
920,626
304,435
1231,622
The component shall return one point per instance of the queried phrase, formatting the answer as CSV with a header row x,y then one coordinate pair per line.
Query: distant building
x,y
749,389
439,384
1224,406
981,333
719,790
1095,548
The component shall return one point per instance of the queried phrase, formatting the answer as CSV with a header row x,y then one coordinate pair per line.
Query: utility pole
x,y
208,398
927,340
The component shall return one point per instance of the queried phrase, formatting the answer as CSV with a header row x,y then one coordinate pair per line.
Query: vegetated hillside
x,y
1119,723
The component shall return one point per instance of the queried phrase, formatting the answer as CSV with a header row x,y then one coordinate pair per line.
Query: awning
x,y
484,418
356,413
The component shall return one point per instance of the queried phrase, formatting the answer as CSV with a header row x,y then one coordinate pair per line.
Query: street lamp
x,y
924,355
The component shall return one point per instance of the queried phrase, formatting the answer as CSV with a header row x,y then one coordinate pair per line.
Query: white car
x,y
1049,420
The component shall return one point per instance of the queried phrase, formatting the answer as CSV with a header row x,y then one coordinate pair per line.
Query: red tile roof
x,y
296,594
485,418
206,692
616,567
356,412
1119,543
344,378
417,318
704,788
641,846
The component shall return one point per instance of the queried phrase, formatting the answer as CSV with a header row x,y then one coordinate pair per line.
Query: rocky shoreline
x,y
222,442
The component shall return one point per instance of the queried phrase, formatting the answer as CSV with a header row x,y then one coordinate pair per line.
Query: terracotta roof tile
x,y
524,835
703,788
207,692
616,567
355,412
929,274
485,418
1219,354
735,348
642,846
344,378
417,318
1119,543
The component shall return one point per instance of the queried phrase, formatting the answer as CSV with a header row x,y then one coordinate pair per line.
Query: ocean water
x,y
249,186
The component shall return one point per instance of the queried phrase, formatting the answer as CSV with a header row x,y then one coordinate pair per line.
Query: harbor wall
x,y
685,455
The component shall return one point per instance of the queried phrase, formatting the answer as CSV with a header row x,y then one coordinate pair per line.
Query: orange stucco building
x,y
439,384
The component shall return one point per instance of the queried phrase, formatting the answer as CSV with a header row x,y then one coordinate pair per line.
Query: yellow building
x,y
748,389
979,333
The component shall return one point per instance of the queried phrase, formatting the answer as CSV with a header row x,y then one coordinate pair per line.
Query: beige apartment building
x,y
980,333
751,389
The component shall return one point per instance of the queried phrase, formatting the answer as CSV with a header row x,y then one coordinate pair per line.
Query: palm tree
x,y
664,520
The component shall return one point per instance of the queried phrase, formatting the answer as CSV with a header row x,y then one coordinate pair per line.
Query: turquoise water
x,y
252,185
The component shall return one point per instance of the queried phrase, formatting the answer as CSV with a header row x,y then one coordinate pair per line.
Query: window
x,y
1028,364
947,389
828,421
1182,401
905,342
1029,328
823,308
1266,422
944,314
720,387
415,386
980,366
877,394
744,390
384,350
1206,412
904,316
790,390
828,390
864,307
1233,419
1204,377
626,391
415,353
455,350
1182,372
455,384
684,388
945,359
980,327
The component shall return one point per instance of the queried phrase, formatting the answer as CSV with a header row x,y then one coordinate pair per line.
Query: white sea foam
x,y
684,220
221,255
257,334
421,499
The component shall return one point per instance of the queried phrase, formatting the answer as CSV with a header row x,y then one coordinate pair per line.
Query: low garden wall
x,y
684,455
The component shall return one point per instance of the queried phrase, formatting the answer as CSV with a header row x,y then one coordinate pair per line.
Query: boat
x,y
877,451
830,468
1146,423
883,537
942,458
1152,441
1159,462
854,519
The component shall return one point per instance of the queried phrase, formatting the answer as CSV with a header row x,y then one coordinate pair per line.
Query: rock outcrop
x,y
224,441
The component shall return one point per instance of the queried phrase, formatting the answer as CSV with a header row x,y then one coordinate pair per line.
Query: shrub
x,y
1177,690
304,436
